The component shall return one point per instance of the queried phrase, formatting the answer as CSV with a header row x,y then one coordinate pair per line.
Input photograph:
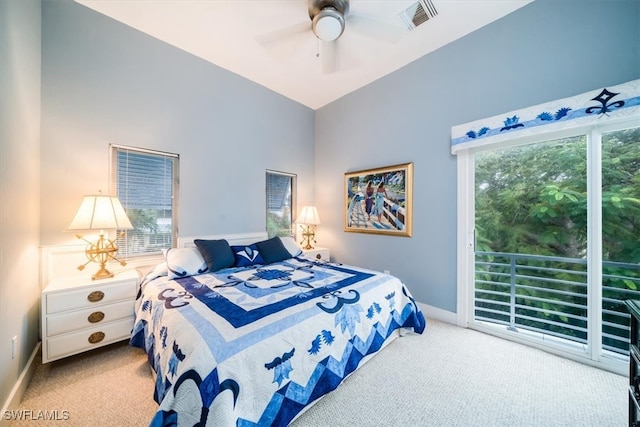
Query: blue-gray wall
x,y
104,82
19,188
547,50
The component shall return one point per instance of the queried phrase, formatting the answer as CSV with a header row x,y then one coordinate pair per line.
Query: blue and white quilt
x,y
254,346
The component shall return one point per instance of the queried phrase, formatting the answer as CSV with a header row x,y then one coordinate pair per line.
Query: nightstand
x,y
317,253
80,314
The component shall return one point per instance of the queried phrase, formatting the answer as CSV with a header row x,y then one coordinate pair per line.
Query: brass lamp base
x,y
102,273
308,236
101,252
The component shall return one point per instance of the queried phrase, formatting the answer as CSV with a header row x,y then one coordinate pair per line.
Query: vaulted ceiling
x,y
271,41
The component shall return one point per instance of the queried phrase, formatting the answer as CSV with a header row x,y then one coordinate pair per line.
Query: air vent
x,y
418,13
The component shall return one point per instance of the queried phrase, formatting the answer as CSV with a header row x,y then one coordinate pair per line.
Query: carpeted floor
x,y
448,376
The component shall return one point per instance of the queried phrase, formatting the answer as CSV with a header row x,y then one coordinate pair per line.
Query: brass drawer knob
x,y
95,296
96,337
95,317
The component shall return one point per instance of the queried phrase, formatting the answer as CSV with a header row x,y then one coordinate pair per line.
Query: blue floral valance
x,y
615,101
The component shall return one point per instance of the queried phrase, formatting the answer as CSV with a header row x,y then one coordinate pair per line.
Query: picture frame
x,y
387,211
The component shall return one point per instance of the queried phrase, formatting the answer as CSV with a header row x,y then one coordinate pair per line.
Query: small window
x,y
146,183
281,203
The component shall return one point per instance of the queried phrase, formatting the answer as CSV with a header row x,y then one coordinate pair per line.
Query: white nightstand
x,y
80,314
317,253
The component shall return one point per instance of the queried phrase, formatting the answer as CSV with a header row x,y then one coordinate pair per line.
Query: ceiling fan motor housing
x,y
327,18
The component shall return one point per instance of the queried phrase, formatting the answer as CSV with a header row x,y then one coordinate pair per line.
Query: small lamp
x,y
308,219
328,24
100,212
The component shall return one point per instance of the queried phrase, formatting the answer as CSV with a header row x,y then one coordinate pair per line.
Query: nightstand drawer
x,y
93,316
87,339
317,253
80,314
88,296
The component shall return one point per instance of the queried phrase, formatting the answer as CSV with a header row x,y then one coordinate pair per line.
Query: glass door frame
x,y
466,241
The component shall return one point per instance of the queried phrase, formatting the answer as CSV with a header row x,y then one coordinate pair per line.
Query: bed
x,y
257,342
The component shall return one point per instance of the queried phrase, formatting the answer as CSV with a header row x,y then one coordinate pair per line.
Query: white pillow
x,y
290,244
153,272
184,262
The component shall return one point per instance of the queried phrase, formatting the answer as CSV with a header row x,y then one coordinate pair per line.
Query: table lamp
x,y
308,219
100,212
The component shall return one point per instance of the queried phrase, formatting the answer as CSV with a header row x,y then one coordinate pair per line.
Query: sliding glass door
x,y
556,244
620,234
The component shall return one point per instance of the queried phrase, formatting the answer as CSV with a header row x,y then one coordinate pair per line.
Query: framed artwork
x,y
379,200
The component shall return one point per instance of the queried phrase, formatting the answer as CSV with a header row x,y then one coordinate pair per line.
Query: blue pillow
x,y
216,253
272,250
247,255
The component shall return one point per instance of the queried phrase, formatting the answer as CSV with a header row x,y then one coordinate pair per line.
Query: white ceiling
x,y
255,38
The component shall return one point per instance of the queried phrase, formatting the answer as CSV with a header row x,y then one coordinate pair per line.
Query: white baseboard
x,y
20,388
439,314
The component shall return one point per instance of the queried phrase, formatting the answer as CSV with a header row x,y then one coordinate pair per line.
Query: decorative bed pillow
x,y
154,272
273,250
184,262
246,255
216,253
290,243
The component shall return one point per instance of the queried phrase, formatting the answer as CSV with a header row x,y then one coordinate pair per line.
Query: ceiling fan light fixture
x,y
328,24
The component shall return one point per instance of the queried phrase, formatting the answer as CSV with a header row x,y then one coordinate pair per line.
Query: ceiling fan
x,y
328,21
328,18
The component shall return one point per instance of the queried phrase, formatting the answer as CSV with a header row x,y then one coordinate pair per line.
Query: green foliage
x,y
278,225
621,195
143,220
532,199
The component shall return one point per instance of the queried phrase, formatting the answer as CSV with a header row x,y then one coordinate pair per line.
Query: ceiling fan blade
x,y
284,33
328,56
385,30
338,56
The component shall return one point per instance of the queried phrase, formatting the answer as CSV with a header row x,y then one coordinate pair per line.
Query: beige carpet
x,y
448,376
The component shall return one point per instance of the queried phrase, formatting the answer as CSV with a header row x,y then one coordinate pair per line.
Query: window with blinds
x,y
146,183
281,190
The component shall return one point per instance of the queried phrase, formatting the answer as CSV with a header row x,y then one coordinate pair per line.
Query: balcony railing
x,y
548,295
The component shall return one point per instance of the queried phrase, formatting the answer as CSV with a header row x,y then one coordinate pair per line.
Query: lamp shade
x,y
309,216
100,212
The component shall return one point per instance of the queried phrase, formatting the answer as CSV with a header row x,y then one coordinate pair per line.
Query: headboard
x,y
233,239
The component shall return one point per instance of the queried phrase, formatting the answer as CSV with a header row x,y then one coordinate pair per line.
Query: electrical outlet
x,y
14,346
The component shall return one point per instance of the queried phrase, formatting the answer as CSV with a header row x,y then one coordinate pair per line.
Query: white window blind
x,y
146,183
280,193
